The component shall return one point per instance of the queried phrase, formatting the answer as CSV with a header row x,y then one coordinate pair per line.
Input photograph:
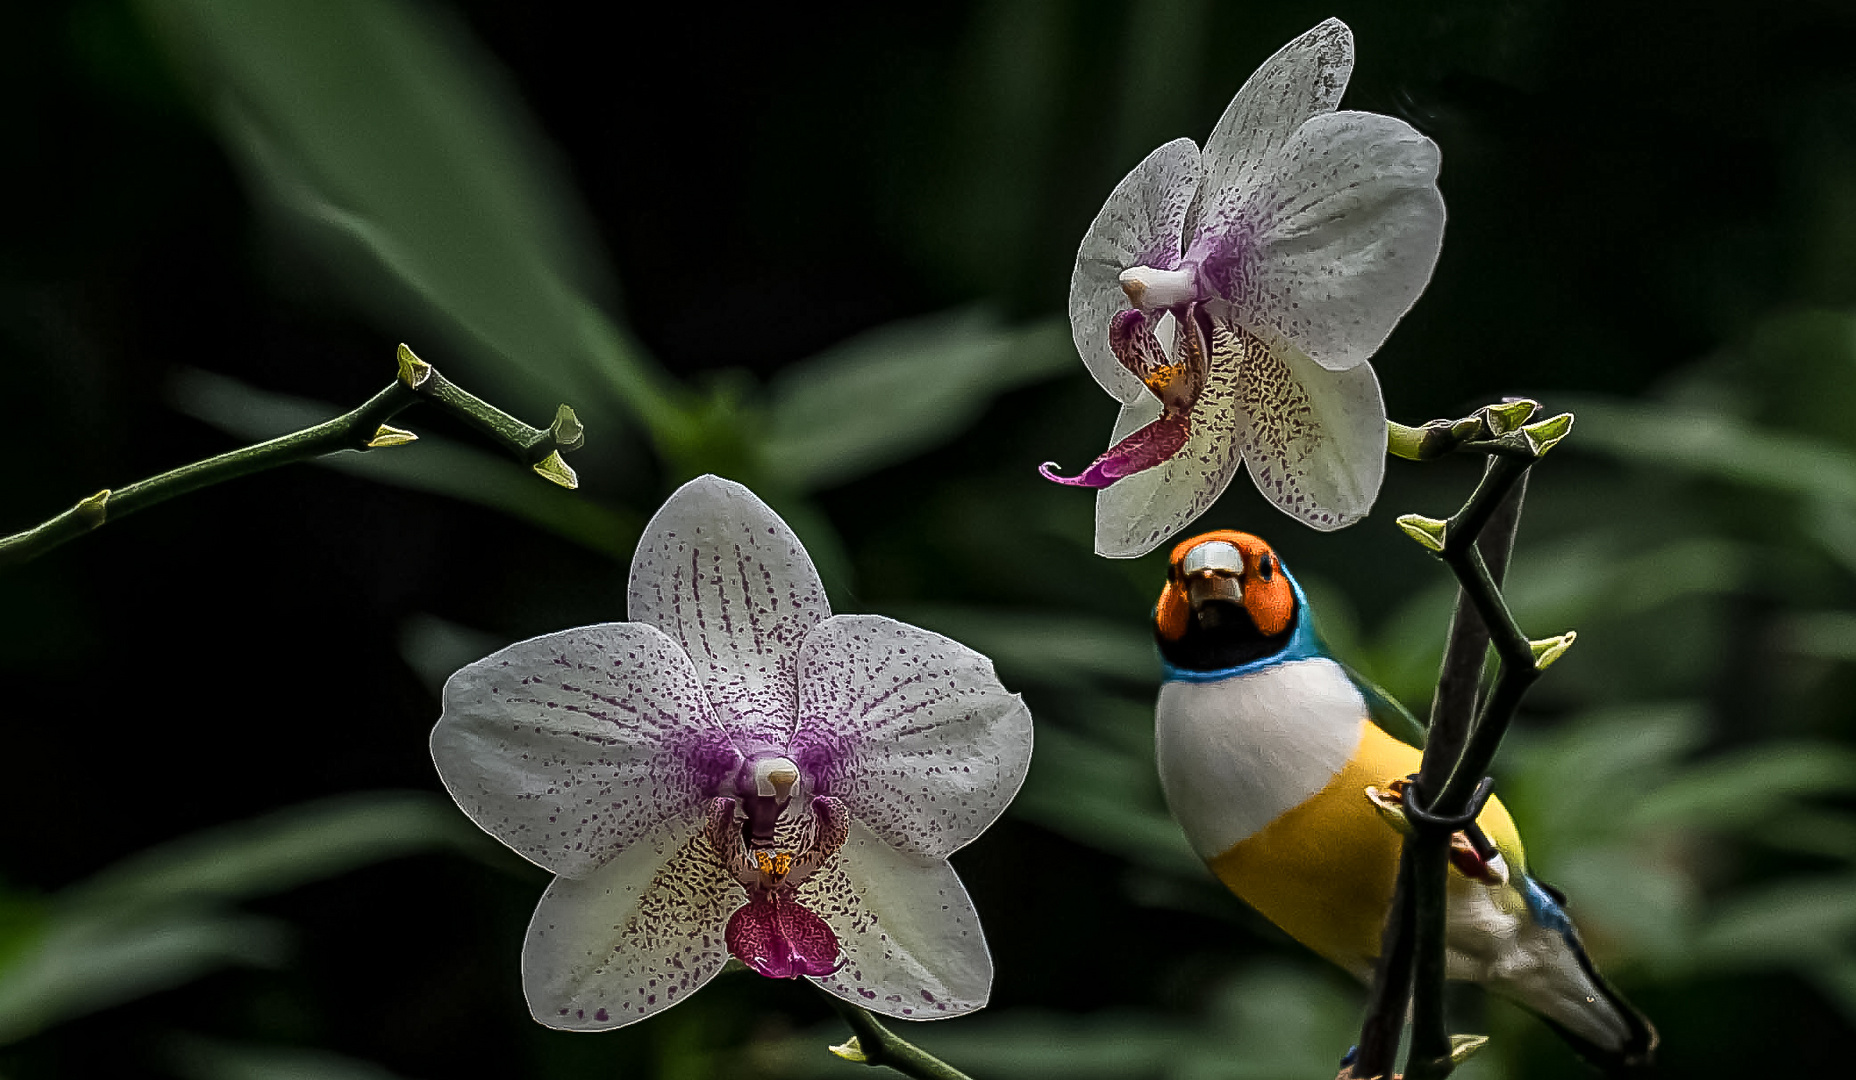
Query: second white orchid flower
x,y
1230,298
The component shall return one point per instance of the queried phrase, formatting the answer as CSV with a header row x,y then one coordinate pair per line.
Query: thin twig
x,y
359,429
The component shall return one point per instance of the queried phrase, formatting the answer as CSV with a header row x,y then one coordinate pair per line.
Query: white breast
x,y
1236,753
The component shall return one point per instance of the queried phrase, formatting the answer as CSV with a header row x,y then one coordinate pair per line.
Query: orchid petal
x,y
1144,449
910,939
1336,247
1316,441
1137,514
910,731
720,573
572,746
635,937
1142,224
1303,80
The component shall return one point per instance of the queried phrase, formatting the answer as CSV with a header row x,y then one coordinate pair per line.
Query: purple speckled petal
x,y
639,935
1141,225
910,730
910,939
1142,511
720,573
1303,80
1336,243
1316,442
572,746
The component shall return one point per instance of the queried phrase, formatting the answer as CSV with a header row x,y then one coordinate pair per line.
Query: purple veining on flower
x,y
1229,298
737,771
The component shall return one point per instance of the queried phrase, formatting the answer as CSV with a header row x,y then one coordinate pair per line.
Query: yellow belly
x,y
1324,870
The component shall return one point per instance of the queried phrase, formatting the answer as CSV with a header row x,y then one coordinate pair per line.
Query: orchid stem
x,y
875,1045
362,428
1475,543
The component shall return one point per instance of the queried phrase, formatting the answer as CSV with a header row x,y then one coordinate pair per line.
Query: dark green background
x,y
1652,222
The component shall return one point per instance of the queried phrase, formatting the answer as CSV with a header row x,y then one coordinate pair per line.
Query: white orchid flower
x,y
1230,298
739,771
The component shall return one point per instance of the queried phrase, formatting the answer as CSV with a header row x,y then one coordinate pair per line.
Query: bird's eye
x,y
1264,569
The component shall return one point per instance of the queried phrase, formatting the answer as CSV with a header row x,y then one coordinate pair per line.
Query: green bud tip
x,y
413,371
1547,650
94,509
1426,531
851,1050
1509,415
567,431
1545,435
387,435
554,469
1461,1046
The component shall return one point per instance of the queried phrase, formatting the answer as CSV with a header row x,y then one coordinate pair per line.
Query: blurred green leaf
x,y
81,963
433,465
150,922
1805,923
1045,647
1748,787
278,851
394,138
436,647
1267,1022
1823,635
1574,786
889,394
211,1059
1717,445
1105,799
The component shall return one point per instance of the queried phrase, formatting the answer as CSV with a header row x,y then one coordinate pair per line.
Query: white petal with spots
x,y
720,573
1140,225
636,937
911,941
571,746
1303,80
1339,239
1315,441
912,731
1137,513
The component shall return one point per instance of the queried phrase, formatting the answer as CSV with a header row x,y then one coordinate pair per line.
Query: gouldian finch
x,y
1266,752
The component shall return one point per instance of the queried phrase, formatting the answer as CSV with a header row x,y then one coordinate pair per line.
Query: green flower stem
x,y
876,1045
355,430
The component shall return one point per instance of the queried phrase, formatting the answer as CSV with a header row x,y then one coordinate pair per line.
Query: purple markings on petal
x,y
776,936
1143,450
720,573
573,746
910,731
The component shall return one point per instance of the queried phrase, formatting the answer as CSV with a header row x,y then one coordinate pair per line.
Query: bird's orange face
x,y
1228,566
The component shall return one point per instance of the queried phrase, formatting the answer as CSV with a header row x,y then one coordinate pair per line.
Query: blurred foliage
x,y
844,243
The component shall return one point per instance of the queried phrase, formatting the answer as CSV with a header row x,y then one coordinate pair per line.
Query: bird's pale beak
x,y
1213,571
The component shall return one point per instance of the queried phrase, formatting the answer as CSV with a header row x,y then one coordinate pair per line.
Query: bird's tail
x,y
1565,990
